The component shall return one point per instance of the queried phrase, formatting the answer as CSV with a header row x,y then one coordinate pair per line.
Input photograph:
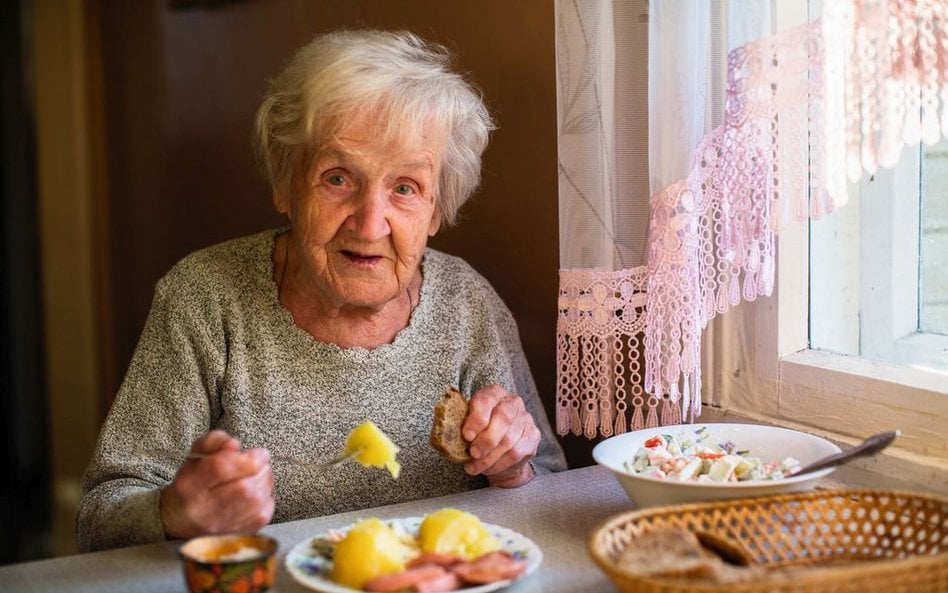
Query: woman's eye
x,y
404,189
336,180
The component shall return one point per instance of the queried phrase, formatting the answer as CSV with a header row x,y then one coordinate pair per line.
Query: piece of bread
x,y
668,552
679,553
449,415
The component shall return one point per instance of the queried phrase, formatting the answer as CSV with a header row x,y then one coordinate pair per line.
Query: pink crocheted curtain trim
x,y
855,94
600,331
711,235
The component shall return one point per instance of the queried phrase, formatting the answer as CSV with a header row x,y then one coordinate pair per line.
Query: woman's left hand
x,y
503,437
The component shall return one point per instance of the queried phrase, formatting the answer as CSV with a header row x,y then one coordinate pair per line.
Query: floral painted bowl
x,y
233,563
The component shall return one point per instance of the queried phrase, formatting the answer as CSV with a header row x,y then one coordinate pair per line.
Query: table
x,y
557,511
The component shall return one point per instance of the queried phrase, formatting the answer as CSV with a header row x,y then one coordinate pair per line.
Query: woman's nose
x,y
369,219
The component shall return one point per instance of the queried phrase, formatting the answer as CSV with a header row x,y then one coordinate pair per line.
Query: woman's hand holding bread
x,y
503,437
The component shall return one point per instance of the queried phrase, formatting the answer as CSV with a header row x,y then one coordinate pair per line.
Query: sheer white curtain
x,y
640,87
602,82
669,204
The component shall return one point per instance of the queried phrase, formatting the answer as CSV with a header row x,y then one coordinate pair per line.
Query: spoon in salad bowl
x,y
870,446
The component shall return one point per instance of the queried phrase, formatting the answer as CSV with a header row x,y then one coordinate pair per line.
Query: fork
x,y
318,466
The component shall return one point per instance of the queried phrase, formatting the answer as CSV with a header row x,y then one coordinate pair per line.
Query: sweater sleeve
x,y
498,357
167,400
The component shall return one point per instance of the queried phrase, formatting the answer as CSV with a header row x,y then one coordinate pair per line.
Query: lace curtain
x,y
747,129
602,83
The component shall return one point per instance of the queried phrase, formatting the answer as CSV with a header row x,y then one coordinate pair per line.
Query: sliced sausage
x,y
489,568
406,579
446,582
435,558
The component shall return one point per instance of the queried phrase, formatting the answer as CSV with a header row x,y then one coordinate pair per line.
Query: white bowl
x,y
766,442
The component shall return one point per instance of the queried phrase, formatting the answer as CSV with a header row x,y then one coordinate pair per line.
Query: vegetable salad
x,y
697,458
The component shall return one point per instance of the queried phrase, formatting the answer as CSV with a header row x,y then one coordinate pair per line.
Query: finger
x,y
235,465
480,406
225,466
504,415
502,455
245,503
517,455
263,518
513,450
215,440
262,514
517,449
258,455
253,515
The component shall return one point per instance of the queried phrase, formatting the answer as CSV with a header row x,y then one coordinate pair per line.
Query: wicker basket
x,y
835,541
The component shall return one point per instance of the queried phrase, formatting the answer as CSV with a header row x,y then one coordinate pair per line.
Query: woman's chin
x,y
369,300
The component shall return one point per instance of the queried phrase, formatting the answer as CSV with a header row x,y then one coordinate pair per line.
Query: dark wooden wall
x,y
24,438
180,88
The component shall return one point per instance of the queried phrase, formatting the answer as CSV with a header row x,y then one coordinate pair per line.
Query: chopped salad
x,y
697,458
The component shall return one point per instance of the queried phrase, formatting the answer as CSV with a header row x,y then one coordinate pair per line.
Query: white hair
x,y
395,76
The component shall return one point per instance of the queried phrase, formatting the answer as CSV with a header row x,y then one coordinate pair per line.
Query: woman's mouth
x,y
361,258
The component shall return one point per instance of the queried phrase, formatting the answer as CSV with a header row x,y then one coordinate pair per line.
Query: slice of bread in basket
x,y
449,415
677,552
668,552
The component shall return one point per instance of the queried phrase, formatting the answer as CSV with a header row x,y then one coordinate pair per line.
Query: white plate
x,y
311,568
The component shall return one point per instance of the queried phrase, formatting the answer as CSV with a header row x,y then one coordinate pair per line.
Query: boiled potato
x,y
369,550
452,531
373,448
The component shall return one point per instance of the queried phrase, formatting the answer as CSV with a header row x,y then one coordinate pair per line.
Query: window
x,y
876,267
933,252
881,256
760,365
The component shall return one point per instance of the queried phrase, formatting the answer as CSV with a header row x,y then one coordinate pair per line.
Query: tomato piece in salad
x,y
655,441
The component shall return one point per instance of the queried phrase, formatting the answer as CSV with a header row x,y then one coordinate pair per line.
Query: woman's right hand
x,y
228,490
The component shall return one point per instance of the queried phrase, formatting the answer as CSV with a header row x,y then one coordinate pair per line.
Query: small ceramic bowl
x,y
232,563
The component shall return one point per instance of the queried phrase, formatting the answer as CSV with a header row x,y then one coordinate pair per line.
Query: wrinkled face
x,y
361,216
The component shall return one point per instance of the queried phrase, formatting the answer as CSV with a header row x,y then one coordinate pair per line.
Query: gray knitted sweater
x,y
219,351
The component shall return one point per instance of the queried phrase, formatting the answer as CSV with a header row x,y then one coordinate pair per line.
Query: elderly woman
x,y
276,345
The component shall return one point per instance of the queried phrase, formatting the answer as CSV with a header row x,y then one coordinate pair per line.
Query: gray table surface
x,y
556,511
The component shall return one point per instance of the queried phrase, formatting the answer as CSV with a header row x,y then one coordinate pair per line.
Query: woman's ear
x,y
284,191
281,200
435,223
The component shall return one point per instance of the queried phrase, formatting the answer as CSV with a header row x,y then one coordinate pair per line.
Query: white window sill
x,y
813,367
925,353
